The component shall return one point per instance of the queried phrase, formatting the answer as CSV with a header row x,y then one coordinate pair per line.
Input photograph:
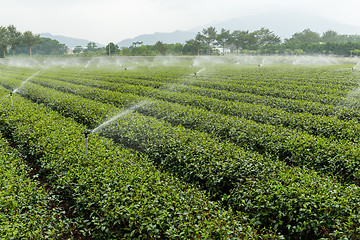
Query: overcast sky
x,y
105,21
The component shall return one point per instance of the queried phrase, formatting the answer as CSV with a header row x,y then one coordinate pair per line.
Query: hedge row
x,y
27,210
340,158
118,193
297,202
316,108
326,126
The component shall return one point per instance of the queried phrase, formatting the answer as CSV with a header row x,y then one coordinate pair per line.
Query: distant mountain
x,y
68,41
151,39
285,23
282,23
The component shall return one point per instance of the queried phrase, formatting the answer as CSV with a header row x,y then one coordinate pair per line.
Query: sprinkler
x,y
195,74
352,71
11,97
86,134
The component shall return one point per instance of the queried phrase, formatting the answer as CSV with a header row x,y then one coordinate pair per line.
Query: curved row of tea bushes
x,y
242,85
236,80
326,126
27,210
297,202
341,112
118,193
335,78
238,87
338,158
290,105
226,91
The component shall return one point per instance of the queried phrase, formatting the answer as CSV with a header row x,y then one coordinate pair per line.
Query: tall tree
x,y
91,46
209,37
4,40
111,48
50,47
194,45
160,47
223,38
14,38
264,37
242,39
333,36
306,36
30,40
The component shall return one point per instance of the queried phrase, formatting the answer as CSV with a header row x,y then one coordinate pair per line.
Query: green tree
x,y
195,46
137,43
265,37
160,47
176,48
78,49
15,38
242,39
91,47
30,40
354,38
332,36
306,36
209,36
49,46
111,49
143,50
4,40
223,39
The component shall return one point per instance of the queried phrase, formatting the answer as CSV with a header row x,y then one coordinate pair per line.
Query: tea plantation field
x,y
179,148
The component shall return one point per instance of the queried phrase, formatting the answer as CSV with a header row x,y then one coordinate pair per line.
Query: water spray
x,y
196,73
25,81
86,134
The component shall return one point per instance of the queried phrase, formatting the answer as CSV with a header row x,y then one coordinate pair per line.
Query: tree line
x,y
263,41
12,40
209,41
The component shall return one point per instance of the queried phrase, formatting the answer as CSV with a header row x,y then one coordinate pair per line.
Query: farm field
x,y
180,147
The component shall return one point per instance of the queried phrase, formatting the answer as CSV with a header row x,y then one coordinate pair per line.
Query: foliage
x,y
27,209
160,47
29,39
117,192
111,49
259,140
4,40
15,38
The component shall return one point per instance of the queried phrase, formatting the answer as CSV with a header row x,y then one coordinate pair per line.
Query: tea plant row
x,y
295,201
115,192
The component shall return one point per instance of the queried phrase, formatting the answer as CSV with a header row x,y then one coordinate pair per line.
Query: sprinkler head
x,y
11,93
86,133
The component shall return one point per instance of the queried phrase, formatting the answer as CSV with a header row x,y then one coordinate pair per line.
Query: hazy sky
x,y
106,21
